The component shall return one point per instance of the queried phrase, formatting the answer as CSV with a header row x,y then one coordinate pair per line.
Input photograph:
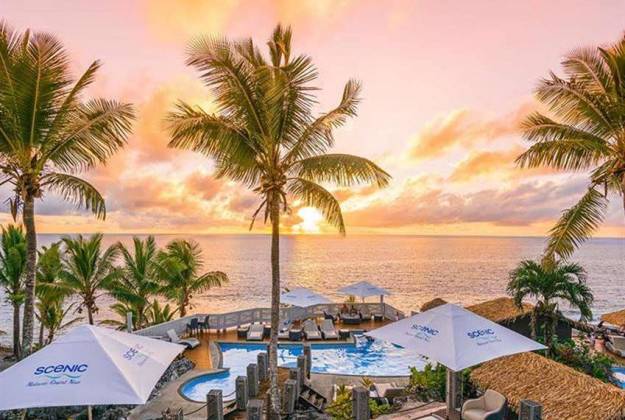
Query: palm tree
x,y
180,266
48,133
87,270
157,314
587,134
154,314
52,317
12,267
264,135
138,280
548,285
51,291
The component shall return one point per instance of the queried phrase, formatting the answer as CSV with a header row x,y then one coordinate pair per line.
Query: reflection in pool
x,y
364,357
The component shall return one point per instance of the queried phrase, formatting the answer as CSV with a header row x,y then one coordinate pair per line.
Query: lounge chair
x,y
283,332
616,345
365,314
328,331
490,406
256,332
311,330
190,342
389,391
295,334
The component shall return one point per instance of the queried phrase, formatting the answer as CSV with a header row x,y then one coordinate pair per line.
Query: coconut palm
x,y
53,317
49,133
12,268
138,278
154,314
88,270
180,267
264,135
548,285
51,291
586,134
157,314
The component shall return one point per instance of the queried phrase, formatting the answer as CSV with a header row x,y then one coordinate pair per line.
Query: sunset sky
x,y
445,87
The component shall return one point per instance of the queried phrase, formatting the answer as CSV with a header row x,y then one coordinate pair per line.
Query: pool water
x,y
619,375
364,357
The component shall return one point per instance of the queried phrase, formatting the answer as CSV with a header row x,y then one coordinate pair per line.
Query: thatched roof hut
x,y
500,309
431,304
563,392
615,318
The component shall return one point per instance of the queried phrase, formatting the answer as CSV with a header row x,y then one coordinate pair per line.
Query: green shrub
x,y
341,407
430,383
579,357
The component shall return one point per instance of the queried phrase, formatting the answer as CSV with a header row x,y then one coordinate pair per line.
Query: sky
x,y
445,86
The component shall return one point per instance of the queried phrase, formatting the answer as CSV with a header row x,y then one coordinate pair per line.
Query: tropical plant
x,y
157,314
180,266
88,270
138,279
48,133
264,135
52,316
341,407
154,314
429,383
586,133
12,267
548,285
582,358
51,291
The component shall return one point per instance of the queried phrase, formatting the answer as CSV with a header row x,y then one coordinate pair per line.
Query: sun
x,y
311,217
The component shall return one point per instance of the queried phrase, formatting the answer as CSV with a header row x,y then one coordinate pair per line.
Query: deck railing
x,y
236,319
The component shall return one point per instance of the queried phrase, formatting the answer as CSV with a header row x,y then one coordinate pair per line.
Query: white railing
x,y
249,316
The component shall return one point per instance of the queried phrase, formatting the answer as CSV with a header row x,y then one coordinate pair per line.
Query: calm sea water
x,y
415,269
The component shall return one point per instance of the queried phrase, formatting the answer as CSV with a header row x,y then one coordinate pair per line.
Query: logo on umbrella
x,y
423,332
484,336
59,374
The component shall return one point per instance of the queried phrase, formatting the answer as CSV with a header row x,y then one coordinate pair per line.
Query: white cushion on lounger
x,y
190,342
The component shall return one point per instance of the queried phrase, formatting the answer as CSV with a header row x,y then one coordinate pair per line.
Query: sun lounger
x,y
365,314
389,391
328,331
311,330
616,345
283,332
256,332
190,342
295,334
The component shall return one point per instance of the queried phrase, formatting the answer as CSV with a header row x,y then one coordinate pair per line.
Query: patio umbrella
x,y
87,366
303,297
454,337
363,289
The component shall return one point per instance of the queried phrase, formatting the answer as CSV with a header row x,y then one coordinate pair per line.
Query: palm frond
x,y
314,195
77,191
576,224
341,169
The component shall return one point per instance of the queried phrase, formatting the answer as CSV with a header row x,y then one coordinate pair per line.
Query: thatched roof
x,y
563,392
615,318
431,304
500,309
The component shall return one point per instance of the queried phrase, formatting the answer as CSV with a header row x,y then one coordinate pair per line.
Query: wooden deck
x,y
201,355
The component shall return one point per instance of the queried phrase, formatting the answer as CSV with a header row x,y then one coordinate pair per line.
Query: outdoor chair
x,y
490,406
190,342
193,327
365,314
389,391
205,325
295,334
328,331
256,332
311,331
284,331
329,316
616,345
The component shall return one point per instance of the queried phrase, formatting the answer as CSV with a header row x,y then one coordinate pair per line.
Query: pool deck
x,y
203,355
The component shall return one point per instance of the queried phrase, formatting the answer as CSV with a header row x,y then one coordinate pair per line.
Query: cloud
x,y
463,128
418,203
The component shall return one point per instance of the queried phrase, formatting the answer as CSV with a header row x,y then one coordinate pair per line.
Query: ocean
x,y
414,269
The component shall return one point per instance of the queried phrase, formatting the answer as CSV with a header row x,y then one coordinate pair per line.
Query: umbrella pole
x,y
453,394
89,413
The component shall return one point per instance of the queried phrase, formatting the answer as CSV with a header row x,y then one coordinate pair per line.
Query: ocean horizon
x,y
414,268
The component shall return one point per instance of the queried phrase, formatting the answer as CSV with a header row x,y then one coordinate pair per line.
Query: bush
x,y
579,357
341,407
430,383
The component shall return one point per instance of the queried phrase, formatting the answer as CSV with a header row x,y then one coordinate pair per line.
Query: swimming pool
x,y
364,357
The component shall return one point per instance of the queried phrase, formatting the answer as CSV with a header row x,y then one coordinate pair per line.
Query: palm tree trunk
x,y
90,314
533,320
275,306
28,216
41,329
16,331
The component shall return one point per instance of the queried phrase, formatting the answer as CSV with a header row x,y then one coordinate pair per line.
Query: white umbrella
x,y
87,366
303,297
363,289
455,337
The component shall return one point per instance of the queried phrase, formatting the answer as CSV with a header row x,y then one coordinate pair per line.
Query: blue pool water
x,y
370,358
619,375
